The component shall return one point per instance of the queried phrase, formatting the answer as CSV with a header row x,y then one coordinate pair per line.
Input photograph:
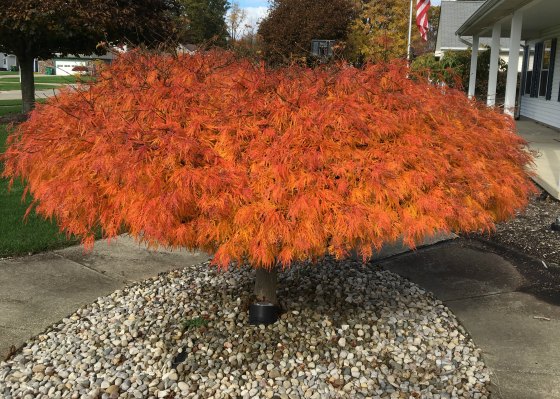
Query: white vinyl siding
x,y
540,109
7,61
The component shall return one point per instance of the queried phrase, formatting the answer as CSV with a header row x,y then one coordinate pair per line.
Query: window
x,y
550,79
545,67
529,63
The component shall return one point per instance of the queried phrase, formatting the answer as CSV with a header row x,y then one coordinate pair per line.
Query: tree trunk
x,y
27,83
265,285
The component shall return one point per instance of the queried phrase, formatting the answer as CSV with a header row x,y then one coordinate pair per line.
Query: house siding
x,y
7,61
539,109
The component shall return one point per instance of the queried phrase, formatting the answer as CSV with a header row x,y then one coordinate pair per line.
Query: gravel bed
x,y
349,331
530,230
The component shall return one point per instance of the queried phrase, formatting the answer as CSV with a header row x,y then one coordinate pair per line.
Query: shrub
x,y
265,166
453,69
80,68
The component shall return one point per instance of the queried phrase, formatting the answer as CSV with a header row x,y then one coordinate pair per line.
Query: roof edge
x,y
483,9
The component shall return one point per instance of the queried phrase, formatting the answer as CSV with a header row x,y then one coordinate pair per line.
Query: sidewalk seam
x,y
480,296
14,328
529,371
84,265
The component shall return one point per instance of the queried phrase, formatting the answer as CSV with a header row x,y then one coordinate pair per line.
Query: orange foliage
x,y
266,166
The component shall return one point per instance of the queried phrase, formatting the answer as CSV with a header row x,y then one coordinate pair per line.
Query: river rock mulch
x,y
348,331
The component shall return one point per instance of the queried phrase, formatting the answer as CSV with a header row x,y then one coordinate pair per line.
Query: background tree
x,y
268,167
249,45
205,21
453,69
291,25
419,46
236,20
40,29
380,32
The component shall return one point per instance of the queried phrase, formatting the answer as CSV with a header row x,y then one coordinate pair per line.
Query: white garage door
x,y
65,67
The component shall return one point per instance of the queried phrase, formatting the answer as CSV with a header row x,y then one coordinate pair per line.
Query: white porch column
x,y
494,58
513,63
474,59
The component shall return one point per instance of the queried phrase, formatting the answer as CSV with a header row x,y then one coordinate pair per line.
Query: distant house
x,y
73,64
67,65
187,49
7,61
532,26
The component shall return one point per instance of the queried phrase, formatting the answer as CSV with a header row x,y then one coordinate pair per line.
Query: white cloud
x,y
255,15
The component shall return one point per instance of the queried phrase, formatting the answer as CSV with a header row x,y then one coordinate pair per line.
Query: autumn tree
x,y
421,47
205,21
380,32
267,167
235,20
291,25
249,45
42,29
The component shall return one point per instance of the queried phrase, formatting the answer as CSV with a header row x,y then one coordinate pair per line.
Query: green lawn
x,y
53,79
9,102
8,107
16,236
9,73
9,86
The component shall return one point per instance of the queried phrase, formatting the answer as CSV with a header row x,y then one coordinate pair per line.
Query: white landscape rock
x,y
366,333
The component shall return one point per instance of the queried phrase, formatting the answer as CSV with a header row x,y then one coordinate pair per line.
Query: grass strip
x,y
19,237
11,86
68,79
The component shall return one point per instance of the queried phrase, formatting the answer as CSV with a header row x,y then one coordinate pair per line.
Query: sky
x,y
257,9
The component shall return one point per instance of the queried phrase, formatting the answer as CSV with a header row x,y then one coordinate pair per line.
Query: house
x,y
453,14
72,64
532,28
187,49
7,61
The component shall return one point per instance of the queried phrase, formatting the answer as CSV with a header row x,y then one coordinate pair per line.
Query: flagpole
x,y
408,51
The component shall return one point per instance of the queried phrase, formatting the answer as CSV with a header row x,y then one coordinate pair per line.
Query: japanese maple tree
x,y
268,167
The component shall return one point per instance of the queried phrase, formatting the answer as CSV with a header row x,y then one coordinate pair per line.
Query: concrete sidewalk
x,y
546,142
16,94
40,290
519,332
16,75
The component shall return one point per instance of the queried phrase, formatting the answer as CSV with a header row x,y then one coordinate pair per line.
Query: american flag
x,y
422,7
